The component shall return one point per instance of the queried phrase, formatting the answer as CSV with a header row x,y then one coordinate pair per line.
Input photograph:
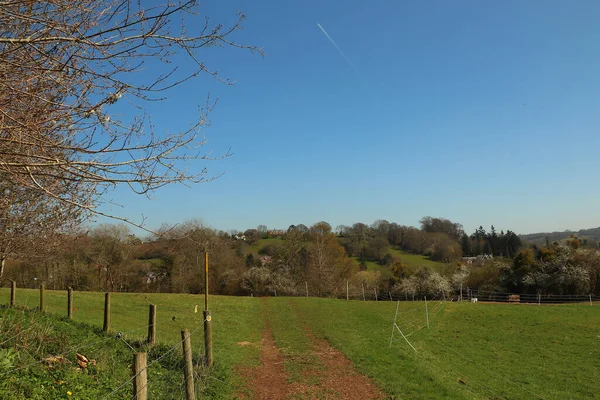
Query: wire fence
x,y
37,344
367,292
432,355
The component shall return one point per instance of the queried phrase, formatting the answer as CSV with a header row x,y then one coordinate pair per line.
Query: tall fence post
x,y
189,369
375,290
591,304
42,306
426,312
207,319
306,283
70,303
140,381
390,293
460,292
106,326
13,292
152,324
347,293
208,338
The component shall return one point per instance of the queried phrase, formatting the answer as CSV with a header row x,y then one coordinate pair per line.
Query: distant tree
x,y
321,228
460,277
442,225
387,260
381,227
257,280
328,264
487,248
465,243
302,228
399,271
109,254
262,231
376,248
252,236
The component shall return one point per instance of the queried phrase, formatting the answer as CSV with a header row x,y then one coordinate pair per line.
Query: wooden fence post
x,y
207,318
70,303
13,292
375,290
426,312
347,295
306,283
152,324
208,338
189,369
140,381
42,287
363,290
106,326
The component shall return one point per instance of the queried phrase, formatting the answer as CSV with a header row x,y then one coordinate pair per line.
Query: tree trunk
x,y
2,264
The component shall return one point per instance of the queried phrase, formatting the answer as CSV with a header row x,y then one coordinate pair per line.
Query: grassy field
x,y
235,319
259,244
414,261
482,351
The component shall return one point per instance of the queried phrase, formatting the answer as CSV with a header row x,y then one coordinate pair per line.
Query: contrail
x,y
340,50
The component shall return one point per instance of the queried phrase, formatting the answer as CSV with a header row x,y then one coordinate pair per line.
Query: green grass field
x,y
481,351
414,261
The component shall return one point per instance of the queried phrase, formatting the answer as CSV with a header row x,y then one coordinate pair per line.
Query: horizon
x,y
482,113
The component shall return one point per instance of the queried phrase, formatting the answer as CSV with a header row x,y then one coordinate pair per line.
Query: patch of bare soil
x,y
324,372
269,380
333,377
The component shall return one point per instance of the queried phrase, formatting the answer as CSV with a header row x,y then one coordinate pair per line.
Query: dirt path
x,y
269,381
331,376
335,377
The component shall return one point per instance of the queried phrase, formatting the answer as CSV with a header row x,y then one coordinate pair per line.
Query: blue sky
x,y
483,112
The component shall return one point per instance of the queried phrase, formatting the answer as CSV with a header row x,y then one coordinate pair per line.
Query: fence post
x,y
347,295
390,293
140,381
106,326
189,371
70,303
152,324
375,290
208,339
426,312
363,290
42,287
591,304
306,283
13,292
207,318
460,292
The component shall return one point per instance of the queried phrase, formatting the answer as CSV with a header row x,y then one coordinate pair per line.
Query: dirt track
x,y
331,376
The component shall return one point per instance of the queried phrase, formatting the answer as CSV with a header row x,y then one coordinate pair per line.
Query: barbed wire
x,y
101,341
128,381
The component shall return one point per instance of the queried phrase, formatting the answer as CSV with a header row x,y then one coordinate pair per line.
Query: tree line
x,y
320,258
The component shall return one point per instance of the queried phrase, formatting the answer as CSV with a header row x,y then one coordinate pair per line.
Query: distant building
x,y
477,260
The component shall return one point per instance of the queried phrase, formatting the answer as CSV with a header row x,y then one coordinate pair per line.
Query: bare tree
x,y
72,98
31,222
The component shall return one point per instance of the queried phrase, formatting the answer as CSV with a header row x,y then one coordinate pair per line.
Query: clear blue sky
x,y
483,112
